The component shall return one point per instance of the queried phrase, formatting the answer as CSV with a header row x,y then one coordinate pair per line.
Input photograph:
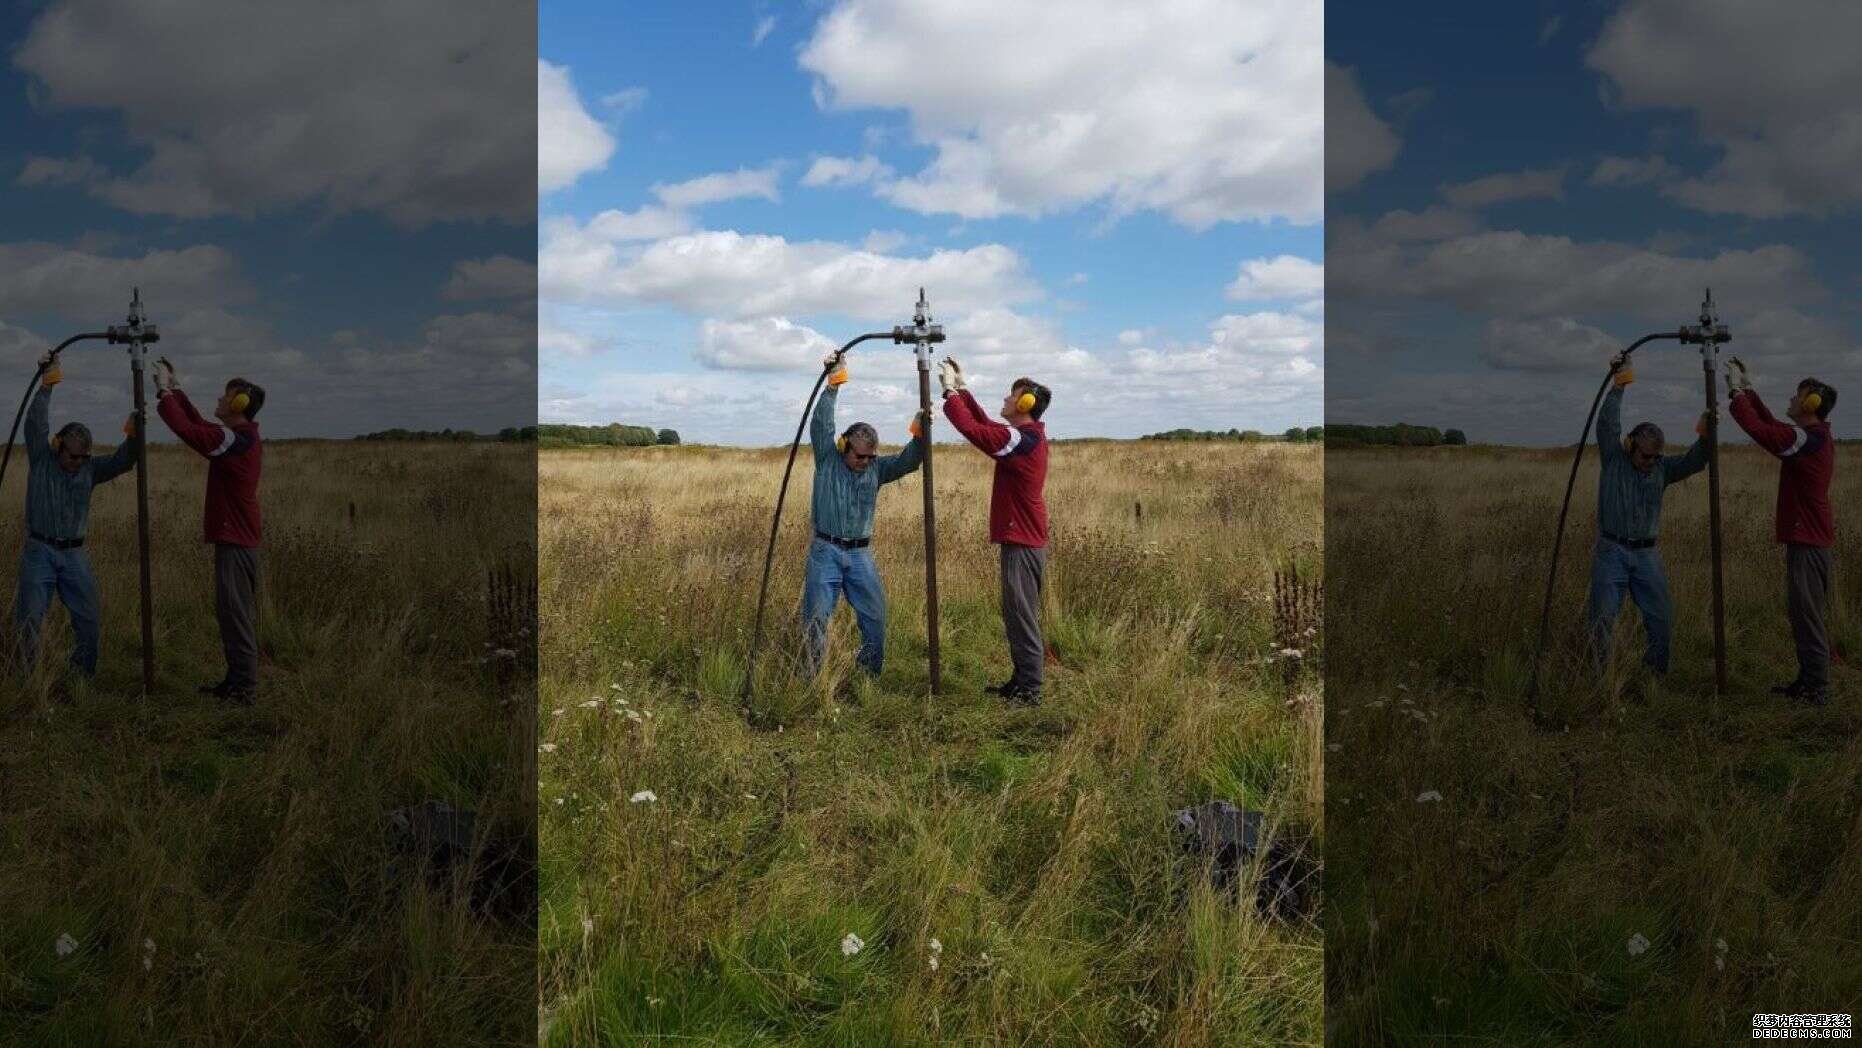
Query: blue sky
x,y
338,209
1516,191
728,191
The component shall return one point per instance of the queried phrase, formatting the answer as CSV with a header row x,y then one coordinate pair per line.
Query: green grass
x,y
1504,913
1032,846
248,845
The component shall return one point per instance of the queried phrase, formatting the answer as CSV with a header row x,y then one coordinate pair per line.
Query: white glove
x,y
165,381
949,376
1738,379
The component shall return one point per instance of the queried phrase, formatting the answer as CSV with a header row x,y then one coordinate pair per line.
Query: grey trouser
x,y
1022,570
1807,602
235,603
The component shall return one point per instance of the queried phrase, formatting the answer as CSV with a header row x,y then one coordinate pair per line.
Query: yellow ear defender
x,y
1813,401
239,403
840,443
1024,403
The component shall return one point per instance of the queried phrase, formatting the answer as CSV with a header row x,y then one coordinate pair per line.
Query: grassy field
x,y
1653,867
222,875
1010,873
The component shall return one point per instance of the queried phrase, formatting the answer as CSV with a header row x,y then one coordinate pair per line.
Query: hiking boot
x,y
1017,695
1000,689
1789,691
1813,696
240,696
218,691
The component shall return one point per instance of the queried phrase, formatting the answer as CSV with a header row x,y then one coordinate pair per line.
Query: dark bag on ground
x,y
1227,838
503,880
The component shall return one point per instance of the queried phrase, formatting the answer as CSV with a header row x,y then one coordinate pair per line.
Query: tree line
x,y
1400,435
614,434
507,435
1294,435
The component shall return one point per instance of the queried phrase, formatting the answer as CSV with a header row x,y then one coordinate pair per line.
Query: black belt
x,y
1629,543
56,543
843,543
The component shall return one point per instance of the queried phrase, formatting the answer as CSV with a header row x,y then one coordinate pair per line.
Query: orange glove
x,y
1625,376
917,426
129,426
1700,425
54,372
840,373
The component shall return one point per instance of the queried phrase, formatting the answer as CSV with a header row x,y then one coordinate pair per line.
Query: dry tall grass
x,y
1010,873
224,873
1724,832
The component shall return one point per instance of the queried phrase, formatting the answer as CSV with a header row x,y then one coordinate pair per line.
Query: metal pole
x,y
138,350
922,345
1711,337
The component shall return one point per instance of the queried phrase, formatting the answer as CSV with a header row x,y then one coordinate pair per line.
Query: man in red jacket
x,y
1017,513
1806,525
232,515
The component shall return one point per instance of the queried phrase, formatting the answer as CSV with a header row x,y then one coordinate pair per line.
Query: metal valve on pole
x,y
136,334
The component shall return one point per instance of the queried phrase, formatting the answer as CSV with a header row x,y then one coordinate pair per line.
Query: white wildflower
x,y
1428,795
644,797
556,713
66,945
1637,945
548,747
1719,954
851,945
592,703
588,925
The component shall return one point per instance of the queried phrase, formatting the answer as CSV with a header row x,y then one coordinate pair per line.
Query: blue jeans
x,y
43,570
1615,570
833,571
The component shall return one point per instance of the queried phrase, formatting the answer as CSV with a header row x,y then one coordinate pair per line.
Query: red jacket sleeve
x,y
205,437
1769,433
979,429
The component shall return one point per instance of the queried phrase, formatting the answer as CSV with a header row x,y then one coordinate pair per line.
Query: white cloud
x,y
762,30
844,171
1545,183
262,106
499,276
884,241
558,342
626,100
570,143
91,289
719,187
1558,344
762,344
1130,337
1283,276
51,171
733,275
1629,171
1510,273
1198,109
1357,143
1790,142
1431,223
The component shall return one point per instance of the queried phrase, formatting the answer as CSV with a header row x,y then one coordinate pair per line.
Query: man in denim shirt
x,y
848,475
58,506
1629,511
